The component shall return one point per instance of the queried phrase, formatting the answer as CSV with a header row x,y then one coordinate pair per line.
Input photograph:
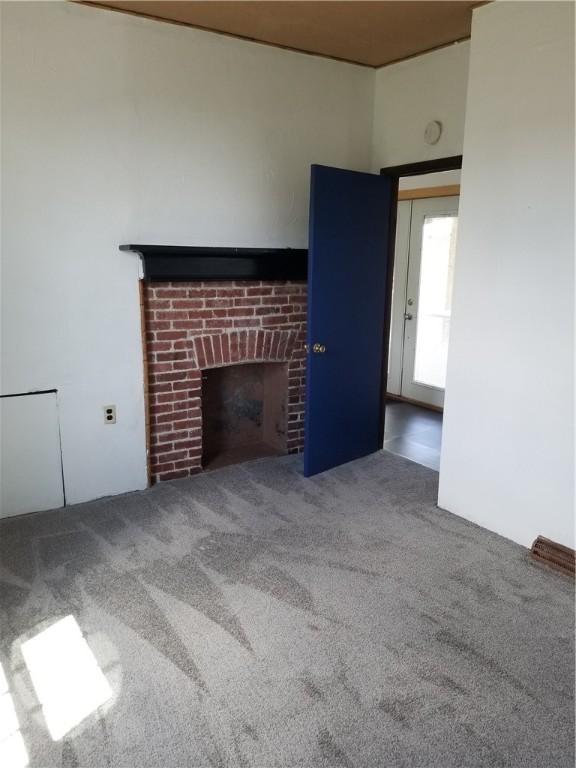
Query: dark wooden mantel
x,y
179,262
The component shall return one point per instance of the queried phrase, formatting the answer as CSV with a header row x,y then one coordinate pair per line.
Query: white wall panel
x,y
30,465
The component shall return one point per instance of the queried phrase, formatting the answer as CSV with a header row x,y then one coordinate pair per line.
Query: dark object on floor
x,y
555,555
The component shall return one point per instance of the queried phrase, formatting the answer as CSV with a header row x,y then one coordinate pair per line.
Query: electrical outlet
x,y
110,414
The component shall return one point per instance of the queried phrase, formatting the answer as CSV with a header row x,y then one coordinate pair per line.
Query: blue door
x,y
347,273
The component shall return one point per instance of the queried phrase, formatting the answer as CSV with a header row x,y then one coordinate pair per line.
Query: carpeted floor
x,y
250,617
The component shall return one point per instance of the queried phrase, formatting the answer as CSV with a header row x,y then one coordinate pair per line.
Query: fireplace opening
x,y
243,413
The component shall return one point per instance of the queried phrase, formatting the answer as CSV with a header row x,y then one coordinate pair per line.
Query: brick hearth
x,y
193,326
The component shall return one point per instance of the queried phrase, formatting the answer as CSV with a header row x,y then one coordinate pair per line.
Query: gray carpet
x,y
250,617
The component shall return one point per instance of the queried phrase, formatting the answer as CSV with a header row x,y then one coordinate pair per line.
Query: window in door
x,y
434,300
422,298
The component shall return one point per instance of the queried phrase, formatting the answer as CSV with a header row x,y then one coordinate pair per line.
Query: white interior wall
x,y
120,129
410,94
507,449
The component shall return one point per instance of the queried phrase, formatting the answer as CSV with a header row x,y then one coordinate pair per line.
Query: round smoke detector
x,y
433,132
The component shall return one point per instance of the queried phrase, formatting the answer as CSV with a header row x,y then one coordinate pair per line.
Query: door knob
x,y
319,349
407,316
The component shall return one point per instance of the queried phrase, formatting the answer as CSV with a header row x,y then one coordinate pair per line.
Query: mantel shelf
x,y
179,262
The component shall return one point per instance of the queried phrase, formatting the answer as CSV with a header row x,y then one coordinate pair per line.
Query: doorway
x,y
426,234
420,290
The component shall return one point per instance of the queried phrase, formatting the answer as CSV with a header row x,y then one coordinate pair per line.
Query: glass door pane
x,y
435,300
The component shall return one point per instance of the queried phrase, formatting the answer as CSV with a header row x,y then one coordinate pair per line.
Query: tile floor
x,y
413,432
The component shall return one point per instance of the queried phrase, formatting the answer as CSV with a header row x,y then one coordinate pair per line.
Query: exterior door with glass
x,y
432,245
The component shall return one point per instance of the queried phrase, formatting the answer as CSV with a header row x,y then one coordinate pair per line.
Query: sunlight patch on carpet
x,y
68,682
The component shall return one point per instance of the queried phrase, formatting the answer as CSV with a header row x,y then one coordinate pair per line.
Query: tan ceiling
x,y
370,33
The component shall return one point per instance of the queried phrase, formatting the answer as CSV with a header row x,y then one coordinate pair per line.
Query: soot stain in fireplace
x,y
246,408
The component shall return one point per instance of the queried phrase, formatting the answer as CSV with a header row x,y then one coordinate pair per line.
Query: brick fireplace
x,y
193,327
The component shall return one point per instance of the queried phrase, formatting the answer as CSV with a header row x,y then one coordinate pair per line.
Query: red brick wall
x,y
196,325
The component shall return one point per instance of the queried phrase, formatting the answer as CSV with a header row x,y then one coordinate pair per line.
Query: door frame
x,y
453,163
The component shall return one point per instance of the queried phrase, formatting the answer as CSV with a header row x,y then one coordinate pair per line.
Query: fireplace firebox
x,y
243,413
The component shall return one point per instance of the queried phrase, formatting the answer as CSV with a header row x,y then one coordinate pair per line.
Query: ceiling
x,y
371,33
